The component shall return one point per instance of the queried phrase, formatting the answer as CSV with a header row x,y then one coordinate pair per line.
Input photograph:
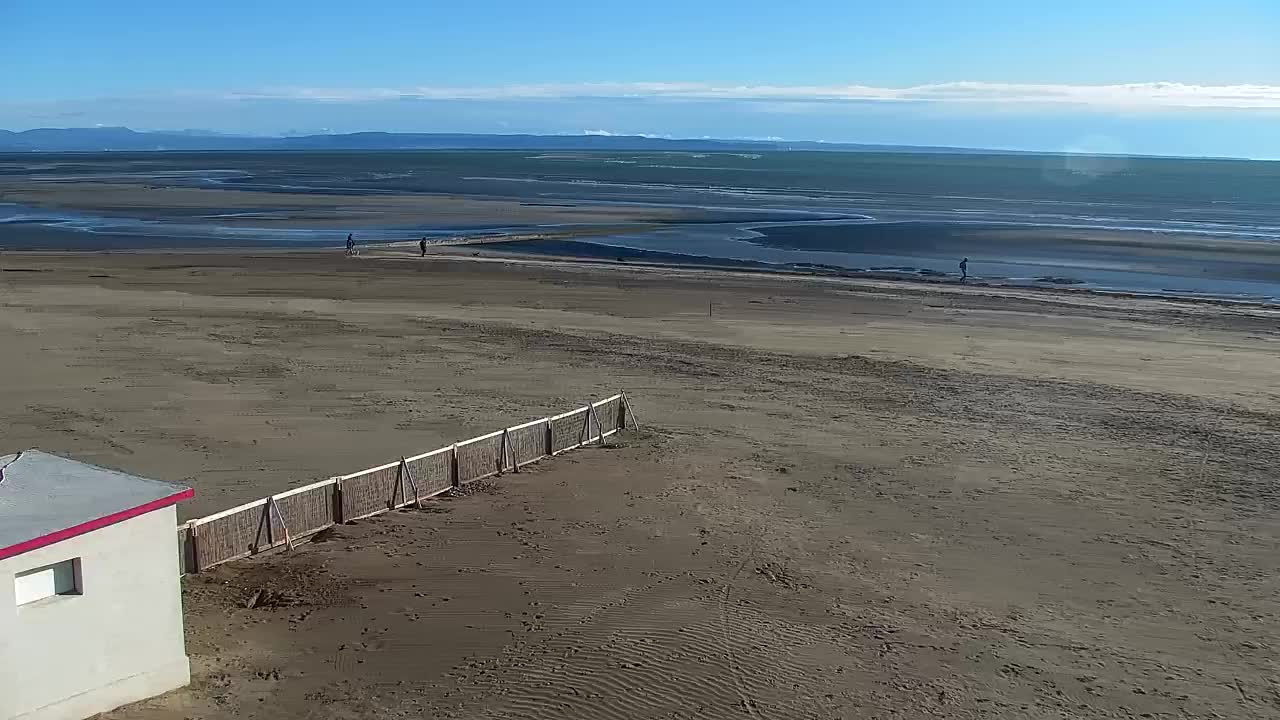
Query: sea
x,y
1193,227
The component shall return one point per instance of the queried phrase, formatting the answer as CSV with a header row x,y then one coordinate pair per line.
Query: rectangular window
x,y
58,579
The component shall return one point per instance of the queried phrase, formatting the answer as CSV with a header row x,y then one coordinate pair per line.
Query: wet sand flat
x,y
307,208
1177,227
849,499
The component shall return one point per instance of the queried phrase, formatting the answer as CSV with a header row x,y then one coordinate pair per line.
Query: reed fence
x,y
293,516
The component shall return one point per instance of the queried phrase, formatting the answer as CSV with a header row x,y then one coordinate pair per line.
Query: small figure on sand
x,y
964,269
422,245
351,244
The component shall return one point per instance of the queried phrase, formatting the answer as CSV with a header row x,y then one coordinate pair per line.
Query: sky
x,y
1177,77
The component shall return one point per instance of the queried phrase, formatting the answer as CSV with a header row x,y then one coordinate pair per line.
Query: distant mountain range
x,y
123,139
118,138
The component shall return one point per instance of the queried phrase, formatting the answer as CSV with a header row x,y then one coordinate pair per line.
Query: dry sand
x,y
851,500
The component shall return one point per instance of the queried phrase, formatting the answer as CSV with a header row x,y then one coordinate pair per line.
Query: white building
x,y
90,602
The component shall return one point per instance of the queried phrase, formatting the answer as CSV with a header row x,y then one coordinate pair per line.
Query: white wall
x,y
67,657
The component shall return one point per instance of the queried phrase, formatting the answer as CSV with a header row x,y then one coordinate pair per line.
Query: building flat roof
x,y
45,499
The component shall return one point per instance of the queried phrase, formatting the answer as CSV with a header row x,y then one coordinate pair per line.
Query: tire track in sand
x,y
748,701
671,649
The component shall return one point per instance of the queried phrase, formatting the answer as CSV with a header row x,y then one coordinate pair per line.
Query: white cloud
x,y
1152,95
610,133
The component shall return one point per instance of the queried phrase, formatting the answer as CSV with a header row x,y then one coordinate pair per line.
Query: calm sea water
x,y
1191,226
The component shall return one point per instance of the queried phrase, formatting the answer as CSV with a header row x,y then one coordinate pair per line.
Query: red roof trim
x,y
90,526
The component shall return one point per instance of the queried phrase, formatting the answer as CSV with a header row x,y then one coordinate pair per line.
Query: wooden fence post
x,y
585,431
599,425
406,472
507,450
502,452
453,465
272,505
194,534
395,487
267,507
550,440
626,405
264,519
337,501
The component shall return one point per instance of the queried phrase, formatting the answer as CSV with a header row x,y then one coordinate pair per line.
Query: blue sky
x,y
1170,76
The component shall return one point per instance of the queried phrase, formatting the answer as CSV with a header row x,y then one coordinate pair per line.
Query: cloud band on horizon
x,y
1133,96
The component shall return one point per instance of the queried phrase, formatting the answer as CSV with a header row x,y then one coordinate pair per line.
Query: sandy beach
x,y
849,498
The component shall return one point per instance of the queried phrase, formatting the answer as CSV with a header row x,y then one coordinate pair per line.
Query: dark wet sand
x,y
251,200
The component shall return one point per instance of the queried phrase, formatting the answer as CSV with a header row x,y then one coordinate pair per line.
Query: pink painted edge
x,y
90,526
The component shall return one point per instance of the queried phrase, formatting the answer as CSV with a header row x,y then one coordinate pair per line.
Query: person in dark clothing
x,y
422,245
964,269
351,243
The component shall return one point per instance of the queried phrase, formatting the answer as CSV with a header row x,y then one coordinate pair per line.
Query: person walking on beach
x,y
422,245
351,244
964,269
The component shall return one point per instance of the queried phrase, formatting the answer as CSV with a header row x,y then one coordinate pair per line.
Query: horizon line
x,y
836,145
